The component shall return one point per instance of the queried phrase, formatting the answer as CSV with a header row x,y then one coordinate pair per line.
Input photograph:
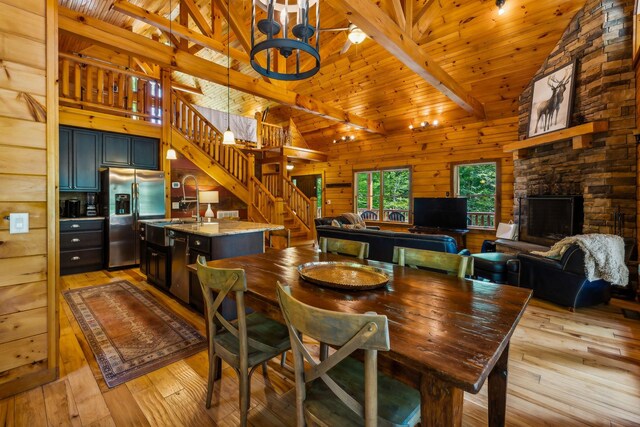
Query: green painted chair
x,y
245,343
459,265
344,247
339,390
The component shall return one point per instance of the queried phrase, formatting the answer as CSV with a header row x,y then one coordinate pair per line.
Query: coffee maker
x,y
92,206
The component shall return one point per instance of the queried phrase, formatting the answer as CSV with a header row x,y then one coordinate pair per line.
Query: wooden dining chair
x,y
344,247
340,390
459,265
245,343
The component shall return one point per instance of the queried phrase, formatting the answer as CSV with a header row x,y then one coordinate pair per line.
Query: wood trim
x,y
108,122
166,135
380,27
124,41
53,242
581,136
28,381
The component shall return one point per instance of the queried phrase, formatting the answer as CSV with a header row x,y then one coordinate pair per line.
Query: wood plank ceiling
x,y
491,57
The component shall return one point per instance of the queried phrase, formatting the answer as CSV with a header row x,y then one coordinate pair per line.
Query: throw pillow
x,y
336,223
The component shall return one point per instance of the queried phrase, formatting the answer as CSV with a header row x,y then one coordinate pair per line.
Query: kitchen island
x,y
173,244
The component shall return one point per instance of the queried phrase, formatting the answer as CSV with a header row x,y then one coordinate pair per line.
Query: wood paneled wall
x,y
429,153
28,165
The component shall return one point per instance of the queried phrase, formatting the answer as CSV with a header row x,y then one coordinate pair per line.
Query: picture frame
x,y
552,101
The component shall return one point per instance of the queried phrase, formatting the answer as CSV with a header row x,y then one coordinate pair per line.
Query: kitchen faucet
x,y
186,199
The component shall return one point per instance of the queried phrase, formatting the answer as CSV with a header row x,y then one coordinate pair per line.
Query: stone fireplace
x,y
599,39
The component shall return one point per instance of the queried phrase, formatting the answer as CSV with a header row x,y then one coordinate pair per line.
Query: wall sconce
x,y
289,166
500,4
171,154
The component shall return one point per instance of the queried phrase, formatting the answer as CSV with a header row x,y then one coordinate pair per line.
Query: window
x,y
478,183
383,195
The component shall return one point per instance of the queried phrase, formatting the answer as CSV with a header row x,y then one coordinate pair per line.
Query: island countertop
x,y
223,227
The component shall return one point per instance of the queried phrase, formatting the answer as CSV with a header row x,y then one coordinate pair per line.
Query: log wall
x,y
28,164
429,153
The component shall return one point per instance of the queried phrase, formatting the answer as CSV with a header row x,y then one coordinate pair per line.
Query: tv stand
x,y
459,234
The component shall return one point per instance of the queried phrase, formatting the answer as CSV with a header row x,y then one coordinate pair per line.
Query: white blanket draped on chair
x,y
603,256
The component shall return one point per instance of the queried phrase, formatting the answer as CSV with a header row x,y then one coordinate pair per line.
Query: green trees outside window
x,y
478,183
383,195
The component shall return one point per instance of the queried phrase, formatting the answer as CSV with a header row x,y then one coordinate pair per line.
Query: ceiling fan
x,y
355,36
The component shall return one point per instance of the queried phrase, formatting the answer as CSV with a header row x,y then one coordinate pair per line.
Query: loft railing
x,y
97,86
197,129
271,135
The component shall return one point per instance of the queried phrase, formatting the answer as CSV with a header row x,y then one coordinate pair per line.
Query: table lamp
x,y
208,197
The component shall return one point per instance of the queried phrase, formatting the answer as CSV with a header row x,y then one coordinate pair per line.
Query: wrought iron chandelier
x,y
283,27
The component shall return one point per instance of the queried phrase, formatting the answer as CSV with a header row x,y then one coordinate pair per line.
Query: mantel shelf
x,y
582,137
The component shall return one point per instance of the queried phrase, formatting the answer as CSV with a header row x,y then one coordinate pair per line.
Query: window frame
x,y
409,216
453,167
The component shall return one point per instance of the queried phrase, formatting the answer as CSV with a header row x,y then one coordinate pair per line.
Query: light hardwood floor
x,y
565,369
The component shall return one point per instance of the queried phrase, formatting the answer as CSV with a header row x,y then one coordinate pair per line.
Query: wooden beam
x,y
380,27
408,18
216,21
399,13
165,25
198,18
116,38
424,18
185,88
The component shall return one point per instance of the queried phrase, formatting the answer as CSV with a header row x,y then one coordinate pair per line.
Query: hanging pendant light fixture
x,y
171,153
228,138
303,41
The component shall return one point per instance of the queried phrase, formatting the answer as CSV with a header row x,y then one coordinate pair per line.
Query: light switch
x,y
18,223
175,205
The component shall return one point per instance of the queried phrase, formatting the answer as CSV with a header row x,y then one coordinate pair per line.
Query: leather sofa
x,y
381,242
562,281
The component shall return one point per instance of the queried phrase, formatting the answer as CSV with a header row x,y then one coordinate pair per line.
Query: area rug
x,y
129,332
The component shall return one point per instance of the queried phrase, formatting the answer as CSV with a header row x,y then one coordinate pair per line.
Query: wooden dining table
x,y
448,335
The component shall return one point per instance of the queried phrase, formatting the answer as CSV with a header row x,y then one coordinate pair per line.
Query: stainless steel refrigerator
x,y
129,195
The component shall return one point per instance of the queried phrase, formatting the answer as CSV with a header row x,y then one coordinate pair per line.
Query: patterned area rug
x,y
129,332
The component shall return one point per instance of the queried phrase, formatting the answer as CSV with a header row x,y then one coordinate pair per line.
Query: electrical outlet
x,y
18,223
175,205
328,202
175,184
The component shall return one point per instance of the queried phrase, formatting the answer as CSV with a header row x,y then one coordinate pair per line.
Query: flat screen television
x,y
440,212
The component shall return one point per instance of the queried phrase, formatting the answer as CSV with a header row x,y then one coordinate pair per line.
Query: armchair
x,y
562,281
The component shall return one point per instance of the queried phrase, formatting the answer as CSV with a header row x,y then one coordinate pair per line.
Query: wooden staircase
x,y
198,140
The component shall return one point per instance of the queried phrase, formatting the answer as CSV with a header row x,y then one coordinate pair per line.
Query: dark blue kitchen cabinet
x,y
144,152
116,150
66,160
78,161
137,152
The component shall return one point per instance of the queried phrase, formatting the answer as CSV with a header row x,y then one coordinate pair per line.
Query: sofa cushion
x,y
381,242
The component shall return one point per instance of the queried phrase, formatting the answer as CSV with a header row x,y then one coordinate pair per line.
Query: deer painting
x,y
549,109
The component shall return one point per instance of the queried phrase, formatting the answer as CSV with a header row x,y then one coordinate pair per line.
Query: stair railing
x,y
265,203
299,204
197,129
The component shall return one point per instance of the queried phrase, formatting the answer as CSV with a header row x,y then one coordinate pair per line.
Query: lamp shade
x,y
228,137
171,154
209,197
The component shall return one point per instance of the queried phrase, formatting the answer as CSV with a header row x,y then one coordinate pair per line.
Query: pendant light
x,y
171,153
228,138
